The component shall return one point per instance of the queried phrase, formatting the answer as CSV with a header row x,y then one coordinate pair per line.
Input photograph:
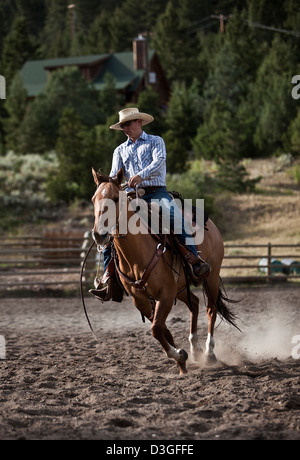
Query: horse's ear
x,y
95,175
120,176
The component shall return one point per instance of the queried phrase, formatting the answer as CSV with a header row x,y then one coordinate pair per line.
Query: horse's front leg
x,y
163,335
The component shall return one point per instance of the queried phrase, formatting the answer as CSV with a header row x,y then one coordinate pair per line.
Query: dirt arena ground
x,y
58,382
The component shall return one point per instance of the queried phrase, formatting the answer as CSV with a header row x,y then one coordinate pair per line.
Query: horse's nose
x,y
97,237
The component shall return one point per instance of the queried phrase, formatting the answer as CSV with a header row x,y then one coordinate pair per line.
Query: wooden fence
x,y
49,261
261,262
46,261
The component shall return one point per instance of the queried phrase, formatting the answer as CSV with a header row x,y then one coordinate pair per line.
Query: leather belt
x,y
152,189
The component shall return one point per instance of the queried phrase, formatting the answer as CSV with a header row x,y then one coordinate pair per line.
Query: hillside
x,y
271,215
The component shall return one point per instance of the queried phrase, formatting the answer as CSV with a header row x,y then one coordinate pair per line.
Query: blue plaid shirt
x,y
145,157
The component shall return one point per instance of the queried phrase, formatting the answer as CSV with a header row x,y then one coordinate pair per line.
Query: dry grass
x,y
272,215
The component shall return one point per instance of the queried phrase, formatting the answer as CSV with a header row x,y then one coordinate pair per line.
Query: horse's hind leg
x,y
163,335
211,288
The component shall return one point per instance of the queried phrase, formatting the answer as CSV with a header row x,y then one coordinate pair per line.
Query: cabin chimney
x,y
140,55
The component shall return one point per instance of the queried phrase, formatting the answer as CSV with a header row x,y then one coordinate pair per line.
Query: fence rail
x,y
45,261
261,262
39,262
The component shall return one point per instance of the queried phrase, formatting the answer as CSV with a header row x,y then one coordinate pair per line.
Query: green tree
x,y
267,13
292,139
271,95
16,104
66,89
56,35
106,142
233,176
175,47
109,98
17,48
182,119
7,13
148,102
76,155
184,113
219,134
98,39
241,39
177,153
217,137
121,31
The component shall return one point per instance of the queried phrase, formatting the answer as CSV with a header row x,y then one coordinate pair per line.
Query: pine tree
x,y
241,39
183,114
77,153
17,48
65,89
109,98
65,184
99,39
182,119
16,104
122,31
148,102
56,35
271,95
176,48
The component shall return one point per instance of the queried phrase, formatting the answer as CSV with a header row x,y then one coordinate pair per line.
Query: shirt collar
x,y
143,136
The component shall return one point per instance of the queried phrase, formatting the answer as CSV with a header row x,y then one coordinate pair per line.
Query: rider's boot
x,y
199,269
112,290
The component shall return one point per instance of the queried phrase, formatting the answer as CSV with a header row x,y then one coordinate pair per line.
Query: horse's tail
x,y
220,304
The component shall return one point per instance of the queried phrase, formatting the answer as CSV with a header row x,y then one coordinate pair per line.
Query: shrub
x,y
296,174
23,184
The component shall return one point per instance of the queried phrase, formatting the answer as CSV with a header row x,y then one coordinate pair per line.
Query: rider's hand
x,y
134,181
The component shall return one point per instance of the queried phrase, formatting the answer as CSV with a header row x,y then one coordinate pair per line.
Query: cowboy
x,y
143,159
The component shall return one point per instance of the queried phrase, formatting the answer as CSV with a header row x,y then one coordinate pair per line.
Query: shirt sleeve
x,y
117,163
158,163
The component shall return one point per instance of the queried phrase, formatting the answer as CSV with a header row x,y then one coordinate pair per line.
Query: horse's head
x,y
105,210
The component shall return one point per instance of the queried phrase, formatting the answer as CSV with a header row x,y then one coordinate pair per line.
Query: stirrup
x,y
113,291
198,278
102,294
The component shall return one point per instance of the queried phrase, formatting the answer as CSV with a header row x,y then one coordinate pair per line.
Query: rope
x,y
81,290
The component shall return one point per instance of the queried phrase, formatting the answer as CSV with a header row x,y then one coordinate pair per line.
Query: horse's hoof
x,y
210,360
183,370
196,355
183,355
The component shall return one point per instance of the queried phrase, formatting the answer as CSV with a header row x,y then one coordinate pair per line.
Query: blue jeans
x,y
165,199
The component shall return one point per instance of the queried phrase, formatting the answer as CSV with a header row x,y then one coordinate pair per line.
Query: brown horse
x,y
154,298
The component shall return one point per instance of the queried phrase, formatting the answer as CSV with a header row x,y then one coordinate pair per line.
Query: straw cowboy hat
x,y
132,114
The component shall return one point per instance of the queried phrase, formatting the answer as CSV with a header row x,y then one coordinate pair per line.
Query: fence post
x,y
269,272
